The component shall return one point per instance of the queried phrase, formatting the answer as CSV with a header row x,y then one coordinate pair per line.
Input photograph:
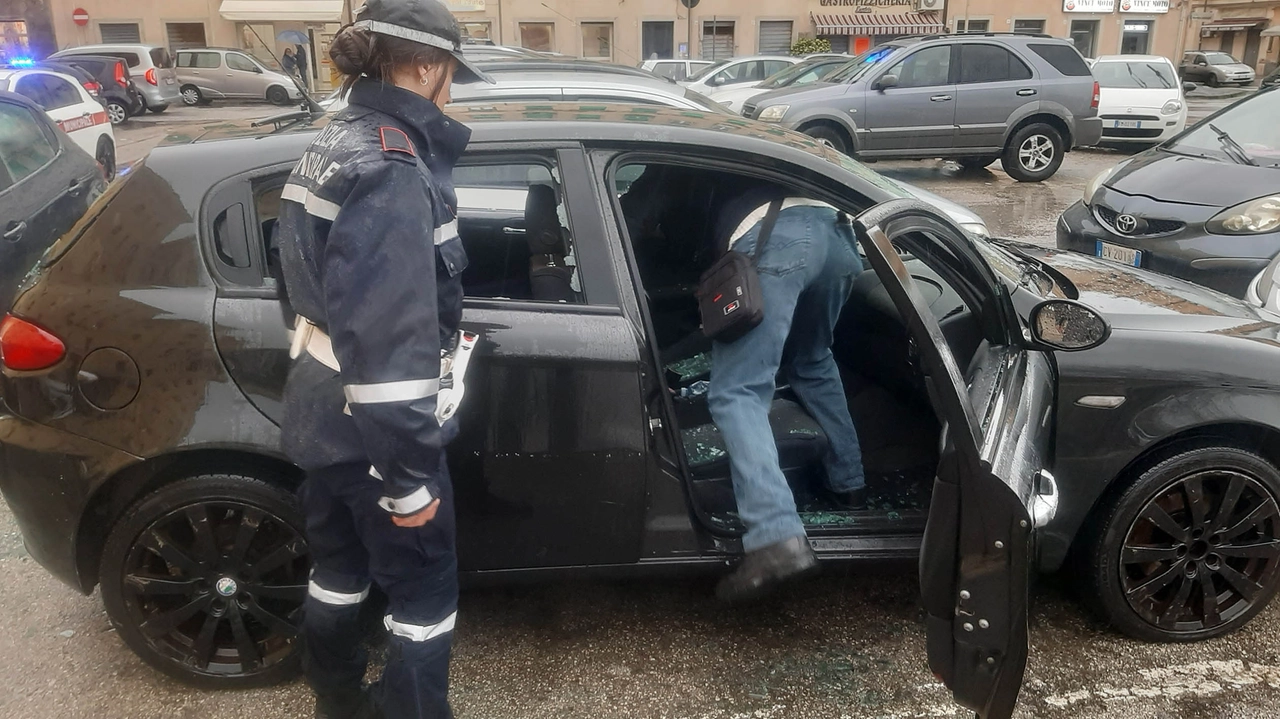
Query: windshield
x,y
1220,58
707,103
860,64
1250,124
1140,74
782,78
708,70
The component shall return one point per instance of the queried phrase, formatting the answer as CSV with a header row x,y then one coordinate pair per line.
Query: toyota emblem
x,y
1126,224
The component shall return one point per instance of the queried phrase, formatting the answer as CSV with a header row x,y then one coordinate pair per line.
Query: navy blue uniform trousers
x,y
353,543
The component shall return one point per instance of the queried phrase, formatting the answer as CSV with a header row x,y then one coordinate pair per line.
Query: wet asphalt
x,y
848,644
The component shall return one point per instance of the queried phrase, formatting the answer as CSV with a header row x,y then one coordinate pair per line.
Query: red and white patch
x,y
83,123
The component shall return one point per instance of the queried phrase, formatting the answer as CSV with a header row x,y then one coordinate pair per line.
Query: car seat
x,y
549,276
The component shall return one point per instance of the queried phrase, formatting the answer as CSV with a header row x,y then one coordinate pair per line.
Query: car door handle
x,y
940,98
14,233
78,186
513,231
1026,92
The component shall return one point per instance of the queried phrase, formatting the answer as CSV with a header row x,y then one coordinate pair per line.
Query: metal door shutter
x,y
116,33
775,37
184,35
717,40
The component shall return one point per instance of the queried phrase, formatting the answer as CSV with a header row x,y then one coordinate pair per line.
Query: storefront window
x,y
539,36
1136,38
1084,33
475,31
973,25
1035,27
13,40
597,40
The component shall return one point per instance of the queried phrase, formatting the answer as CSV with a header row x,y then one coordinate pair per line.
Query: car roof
x,y
6,74
567,67
1132,58
77,50
606,80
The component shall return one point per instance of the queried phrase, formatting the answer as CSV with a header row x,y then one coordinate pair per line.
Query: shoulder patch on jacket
x,y
394,140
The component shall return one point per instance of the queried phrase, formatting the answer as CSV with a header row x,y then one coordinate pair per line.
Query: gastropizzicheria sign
x,y
865,3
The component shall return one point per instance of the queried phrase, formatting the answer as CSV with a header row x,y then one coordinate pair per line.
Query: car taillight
x,y
151,78
1097,95
92,86
121,79
26,347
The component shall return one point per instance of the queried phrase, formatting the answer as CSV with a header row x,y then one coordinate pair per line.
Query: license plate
x,y
1131,124
1116,253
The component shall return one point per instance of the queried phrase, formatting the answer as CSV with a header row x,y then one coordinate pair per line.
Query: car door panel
x,y
918,114
994,86
975,556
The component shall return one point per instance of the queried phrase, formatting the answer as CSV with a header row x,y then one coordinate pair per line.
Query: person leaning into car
x,y
806,268
372,262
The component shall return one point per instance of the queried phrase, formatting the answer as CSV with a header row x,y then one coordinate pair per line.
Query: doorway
x,y
1137,38
1084,34
1252,43
657,40
1227,43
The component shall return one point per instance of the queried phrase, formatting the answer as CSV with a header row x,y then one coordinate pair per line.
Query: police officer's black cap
x,y
427,22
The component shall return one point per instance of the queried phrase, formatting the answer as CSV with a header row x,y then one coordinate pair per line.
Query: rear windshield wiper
x,y
1232,147
284,119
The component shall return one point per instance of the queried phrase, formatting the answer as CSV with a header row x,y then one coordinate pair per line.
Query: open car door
x,y
991,488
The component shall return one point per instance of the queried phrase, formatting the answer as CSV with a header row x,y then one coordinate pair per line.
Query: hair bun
x,y
351,51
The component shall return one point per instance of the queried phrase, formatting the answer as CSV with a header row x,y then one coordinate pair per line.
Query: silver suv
x,y
1023,99
212,73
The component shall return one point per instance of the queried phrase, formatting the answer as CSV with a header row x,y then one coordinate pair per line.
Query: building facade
x,y
630,31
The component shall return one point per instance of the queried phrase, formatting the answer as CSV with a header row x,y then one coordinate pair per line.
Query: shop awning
x,y
907,23
1232,24
1273,31
284,10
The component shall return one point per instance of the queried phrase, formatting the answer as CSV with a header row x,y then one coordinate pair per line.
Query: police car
x,y
69,105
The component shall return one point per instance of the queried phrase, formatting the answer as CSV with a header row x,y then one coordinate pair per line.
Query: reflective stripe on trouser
x,y
354,542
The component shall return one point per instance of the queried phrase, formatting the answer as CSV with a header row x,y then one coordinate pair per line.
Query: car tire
x,y
106,156
157,109
1154,556
116,112
191,96
828,136
1033,154
973,164
1213,81
277,95
205,579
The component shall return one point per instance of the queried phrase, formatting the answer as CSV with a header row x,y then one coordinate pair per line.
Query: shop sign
x,y
866,5
464,5
1089,5
1145,6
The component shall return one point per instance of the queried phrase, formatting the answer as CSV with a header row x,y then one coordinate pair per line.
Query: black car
x,y
118,93
146,358
1273,79
47,183
1203,206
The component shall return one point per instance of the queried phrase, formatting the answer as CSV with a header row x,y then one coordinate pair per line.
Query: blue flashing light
x,y
22,62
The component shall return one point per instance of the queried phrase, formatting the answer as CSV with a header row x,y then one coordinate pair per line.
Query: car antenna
x,y
308,102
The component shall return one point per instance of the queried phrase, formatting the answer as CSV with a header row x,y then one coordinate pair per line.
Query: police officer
x,y
371,260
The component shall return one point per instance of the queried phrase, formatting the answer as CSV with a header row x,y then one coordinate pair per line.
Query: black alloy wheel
x,y
205,580
277,95
1195,552
106,156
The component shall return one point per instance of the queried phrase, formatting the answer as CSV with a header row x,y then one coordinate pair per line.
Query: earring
x,y
424,80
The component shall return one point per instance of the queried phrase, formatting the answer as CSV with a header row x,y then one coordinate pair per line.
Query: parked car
x,y
213,73
737,72
1204,206
1273,79
47,183
546,64
159,85
68,104
1215,69
1141,101
678,70
797,75
142,400
1023,99
118,92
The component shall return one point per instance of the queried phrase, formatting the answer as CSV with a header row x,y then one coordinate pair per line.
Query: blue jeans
x,y
806,270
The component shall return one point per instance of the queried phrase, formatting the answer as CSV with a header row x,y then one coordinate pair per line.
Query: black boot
x,y
761,571
363,706
851,501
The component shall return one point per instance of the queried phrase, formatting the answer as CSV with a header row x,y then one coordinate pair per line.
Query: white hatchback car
x,y
738,72
1141,100
68,104
675,69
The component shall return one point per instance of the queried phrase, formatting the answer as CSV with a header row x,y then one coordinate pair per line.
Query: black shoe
x,y
761,571
362,707
851,501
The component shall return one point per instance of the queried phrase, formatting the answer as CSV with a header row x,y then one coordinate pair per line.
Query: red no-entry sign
x,y
81,16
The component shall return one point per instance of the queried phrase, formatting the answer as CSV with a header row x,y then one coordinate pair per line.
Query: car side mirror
x,y
886,81
1068,326
1188,86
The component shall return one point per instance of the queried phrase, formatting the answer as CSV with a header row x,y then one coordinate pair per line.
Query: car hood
x,y
1117,99
1237,67
774,97
1135,299
1167,177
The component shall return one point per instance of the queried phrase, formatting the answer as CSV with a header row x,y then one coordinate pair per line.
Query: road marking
x,y
1198,679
